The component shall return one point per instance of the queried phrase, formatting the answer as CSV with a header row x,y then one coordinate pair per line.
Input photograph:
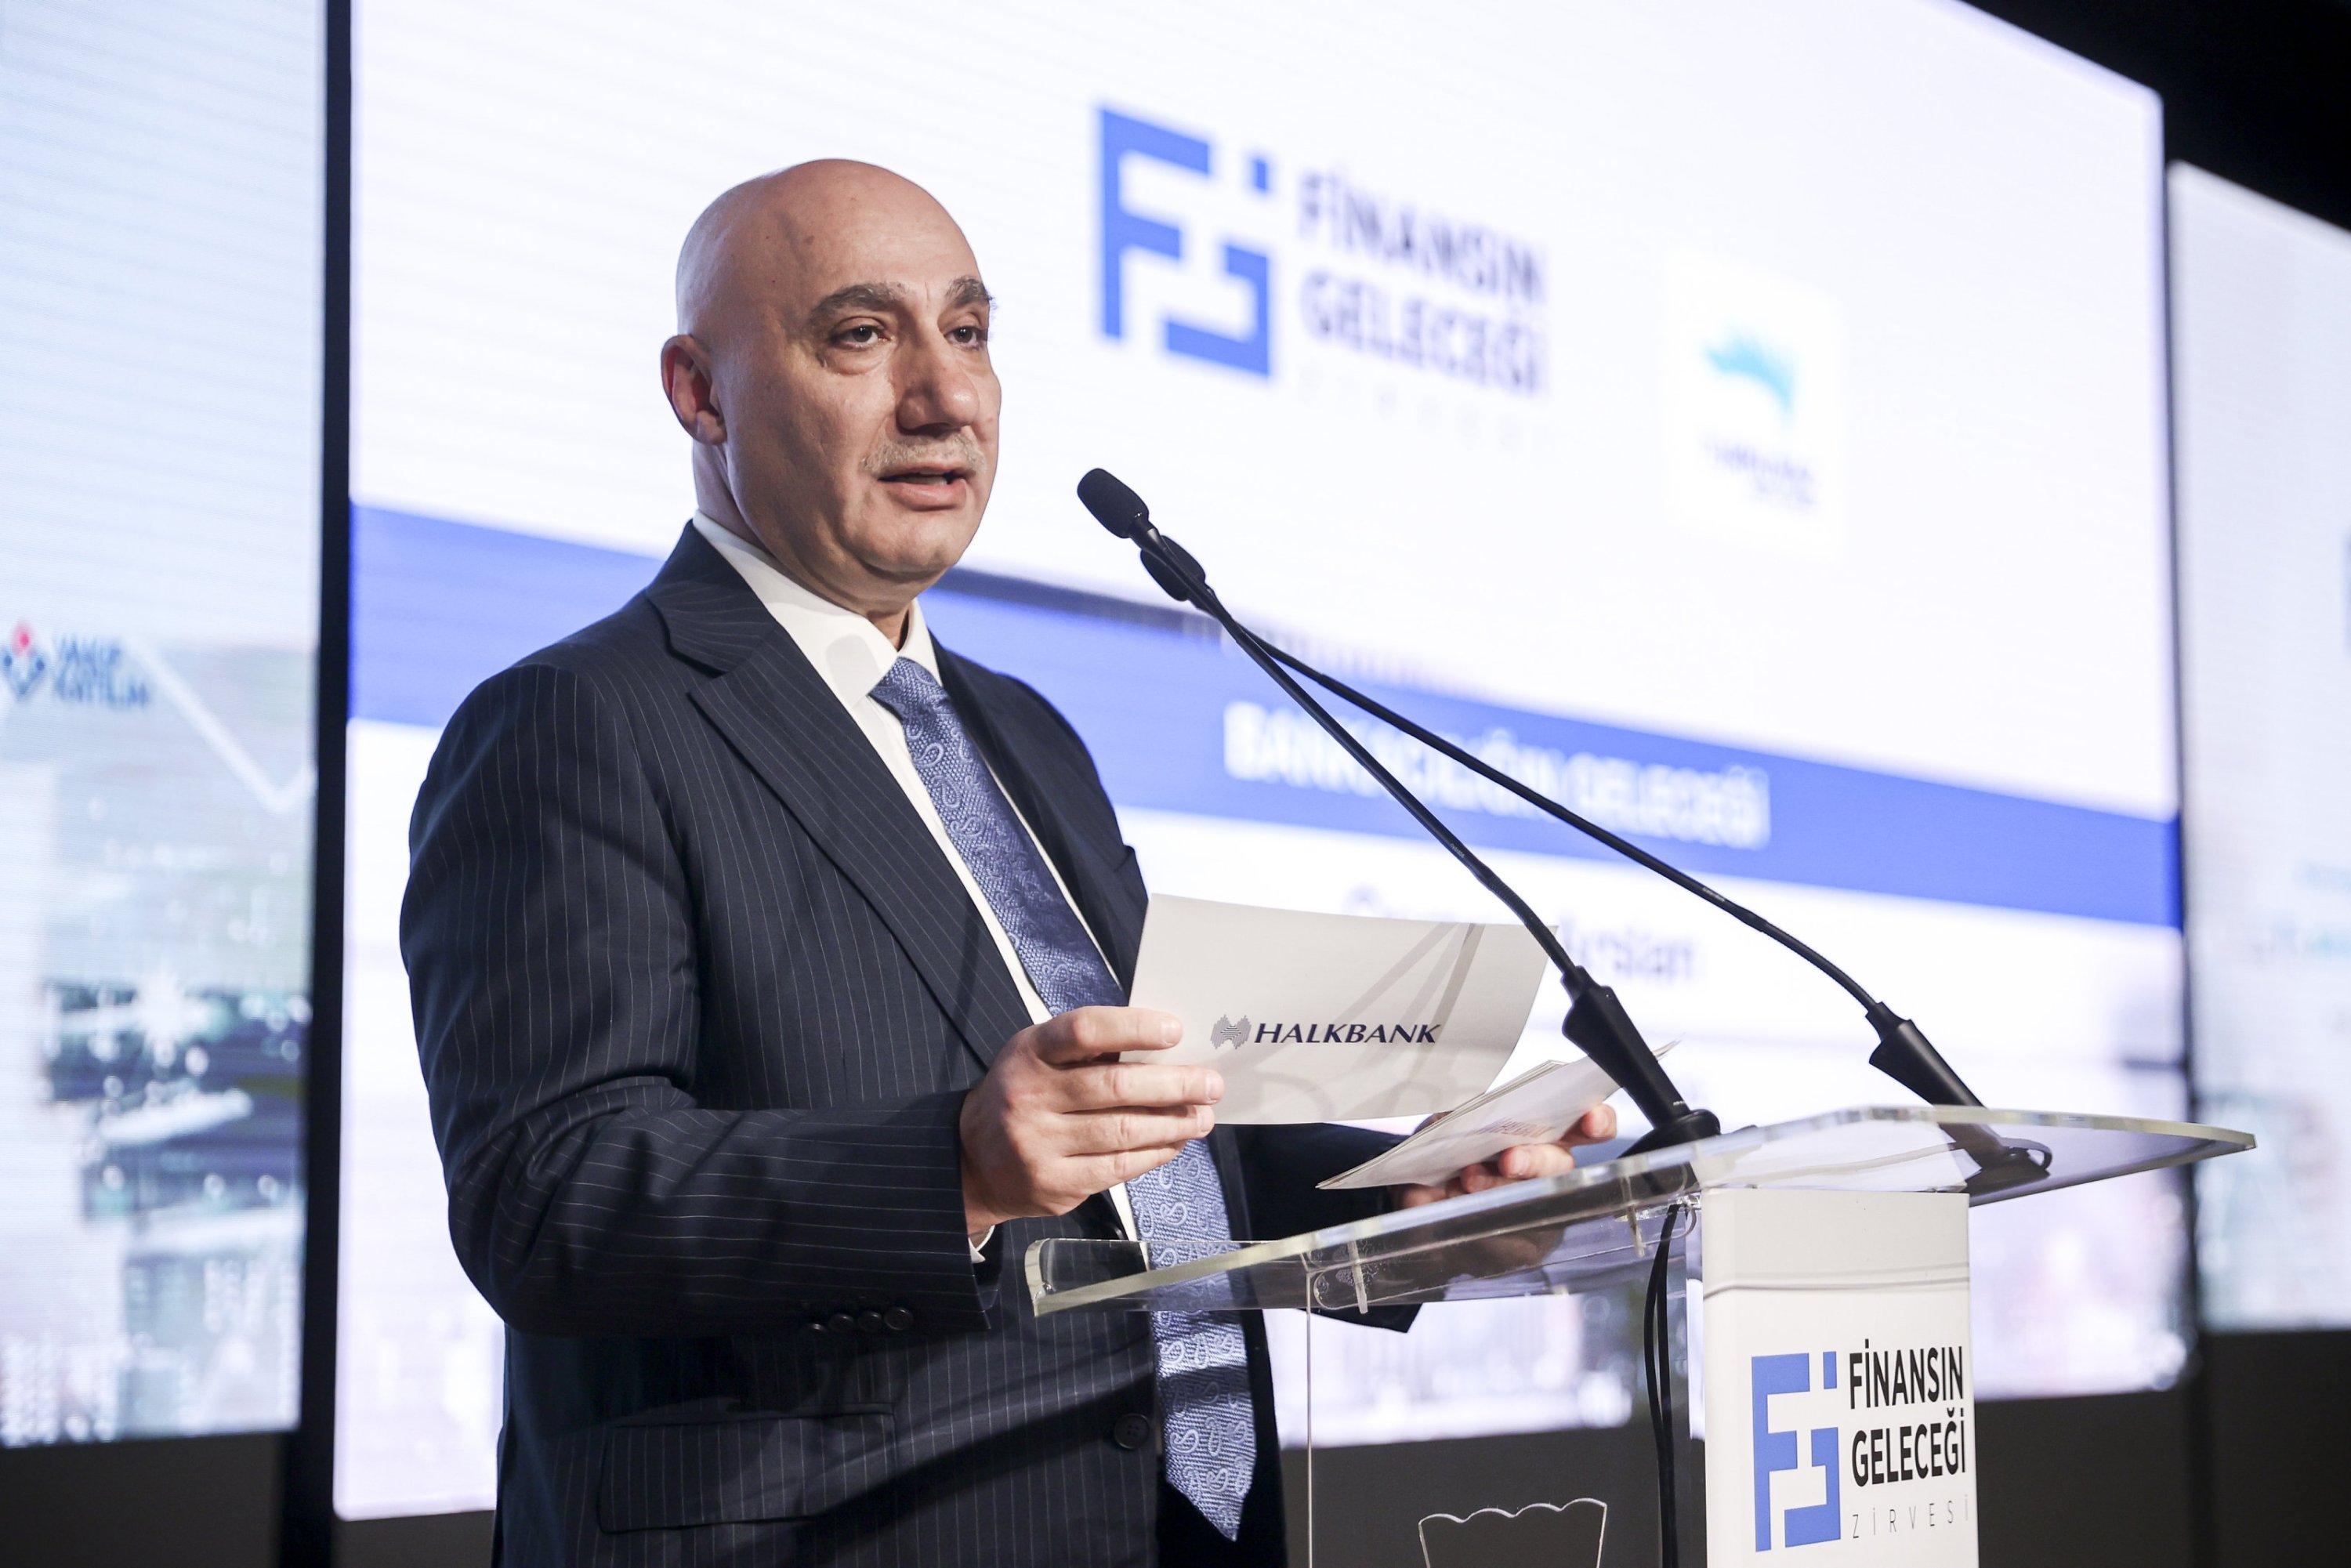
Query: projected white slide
x,y
1789,498
2262,305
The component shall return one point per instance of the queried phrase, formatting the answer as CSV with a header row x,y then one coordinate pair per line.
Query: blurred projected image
x,y
158,637
2262,301
1600,413
157,846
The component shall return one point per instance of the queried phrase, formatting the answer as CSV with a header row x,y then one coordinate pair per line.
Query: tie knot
x,y
909,689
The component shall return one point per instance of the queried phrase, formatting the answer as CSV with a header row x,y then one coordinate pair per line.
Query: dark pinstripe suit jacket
x,y
697,997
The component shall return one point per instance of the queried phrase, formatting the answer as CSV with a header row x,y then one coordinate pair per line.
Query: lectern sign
x,y
1839,1425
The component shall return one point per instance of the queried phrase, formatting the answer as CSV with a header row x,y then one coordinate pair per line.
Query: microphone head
x,y
1114,506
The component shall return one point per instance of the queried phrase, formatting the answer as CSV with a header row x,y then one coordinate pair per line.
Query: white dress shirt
x,y
850,656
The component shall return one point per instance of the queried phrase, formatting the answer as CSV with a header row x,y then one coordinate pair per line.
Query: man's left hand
x,y
1527,1162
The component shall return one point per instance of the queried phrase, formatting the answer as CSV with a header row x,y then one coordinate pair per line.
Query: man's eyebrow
x,y
858,296
887,296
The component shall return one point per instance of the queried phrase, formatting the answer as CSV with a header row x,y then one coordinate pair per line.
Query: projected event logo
x,y
1754,408
1368,273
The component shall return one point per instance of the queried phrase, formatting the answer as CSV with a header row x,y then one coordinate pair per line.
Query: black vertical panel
x,y
2103,1480
190,1502
2279,1447
442,1540
306,1536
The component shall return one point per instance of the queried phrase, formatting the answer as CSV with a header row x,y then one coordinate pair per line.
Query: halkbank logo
x,y
1228,1033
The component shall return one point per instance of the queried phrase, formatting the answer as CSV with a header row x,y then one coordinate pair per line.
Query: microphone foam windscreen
x,y
1114,506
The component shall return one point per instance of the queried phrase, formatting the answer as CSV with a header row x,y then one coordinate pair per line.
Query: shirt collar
x,y
849,652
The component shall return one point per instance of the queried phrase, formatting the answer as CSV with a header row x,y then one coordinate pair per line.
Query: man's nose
x,y
936,389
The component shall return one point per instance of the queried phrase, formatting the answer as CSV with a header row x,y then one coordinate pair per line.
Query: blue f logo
x,y
1123,231
1777,1450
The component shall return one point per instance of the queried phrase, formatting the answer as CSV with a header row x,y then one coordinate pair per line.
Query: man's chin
x,y
917,545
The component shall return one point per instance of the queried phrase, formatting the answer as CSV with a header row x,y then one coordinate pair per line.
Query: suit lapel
x,y
789,729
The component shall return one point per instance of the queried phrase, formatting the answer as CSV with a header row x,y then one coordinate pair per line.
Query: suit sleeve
x,y
1280,1167
549,939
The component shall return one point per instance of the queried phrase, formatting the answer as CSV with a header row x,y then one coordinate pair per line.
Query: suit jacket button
x,y
1131,1431
869,1322
840,1323
897,1320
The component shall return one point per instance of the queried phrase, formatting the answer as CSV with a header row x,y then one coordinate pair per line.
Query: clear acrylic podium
x,y
1596,1230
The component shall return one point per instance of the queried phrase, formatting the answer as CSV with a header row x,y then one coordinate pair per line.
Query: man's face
x,y
859,401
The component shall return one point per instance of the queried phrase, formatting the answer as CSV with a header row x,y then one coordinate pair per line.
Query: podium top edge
x,y
1985,1115
2223,1141
1660,1175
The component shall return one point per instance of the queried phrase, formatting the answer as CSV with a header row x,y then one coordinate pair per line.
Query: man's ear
x,y
688,382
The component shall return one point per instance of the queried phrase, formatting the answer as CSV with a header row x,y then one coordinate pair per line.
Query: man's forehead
x,y
819,238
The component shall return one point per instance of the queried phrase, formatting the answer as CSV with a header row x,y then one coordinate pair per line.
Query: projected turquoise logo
x,y
1753,407
1745,357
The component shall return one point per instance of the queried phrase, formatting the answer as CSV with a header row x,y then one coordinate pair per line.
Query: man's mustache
x,y
960,452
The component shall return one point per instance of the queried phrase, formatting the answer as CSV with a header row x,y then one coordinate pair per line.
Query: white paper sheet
x,y
1331,1018
1538,1106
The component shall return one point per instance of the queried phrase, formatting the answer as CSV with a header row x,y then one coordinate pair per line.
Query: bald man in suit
x,y
769,964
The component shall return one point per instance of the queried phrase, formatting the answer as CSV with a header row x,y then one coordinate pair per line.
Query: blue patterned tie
x,y
1204,1397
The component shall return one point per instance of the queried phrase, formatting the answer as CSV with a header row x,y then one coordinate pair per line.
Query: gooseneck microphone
x,y
1903,1053
1597,1019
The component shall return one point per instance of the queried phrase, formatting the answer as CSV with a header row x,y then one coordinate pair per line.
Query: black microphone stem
x,y
1596,1020
1904,1052
1584,825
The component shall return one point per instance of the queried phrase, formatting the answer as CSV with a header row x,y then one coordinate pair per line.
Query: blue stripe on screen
x,y
437,606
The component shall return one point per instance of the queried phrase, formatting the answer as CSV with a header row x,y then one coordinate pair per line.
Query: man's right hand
x,y
1059,1117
